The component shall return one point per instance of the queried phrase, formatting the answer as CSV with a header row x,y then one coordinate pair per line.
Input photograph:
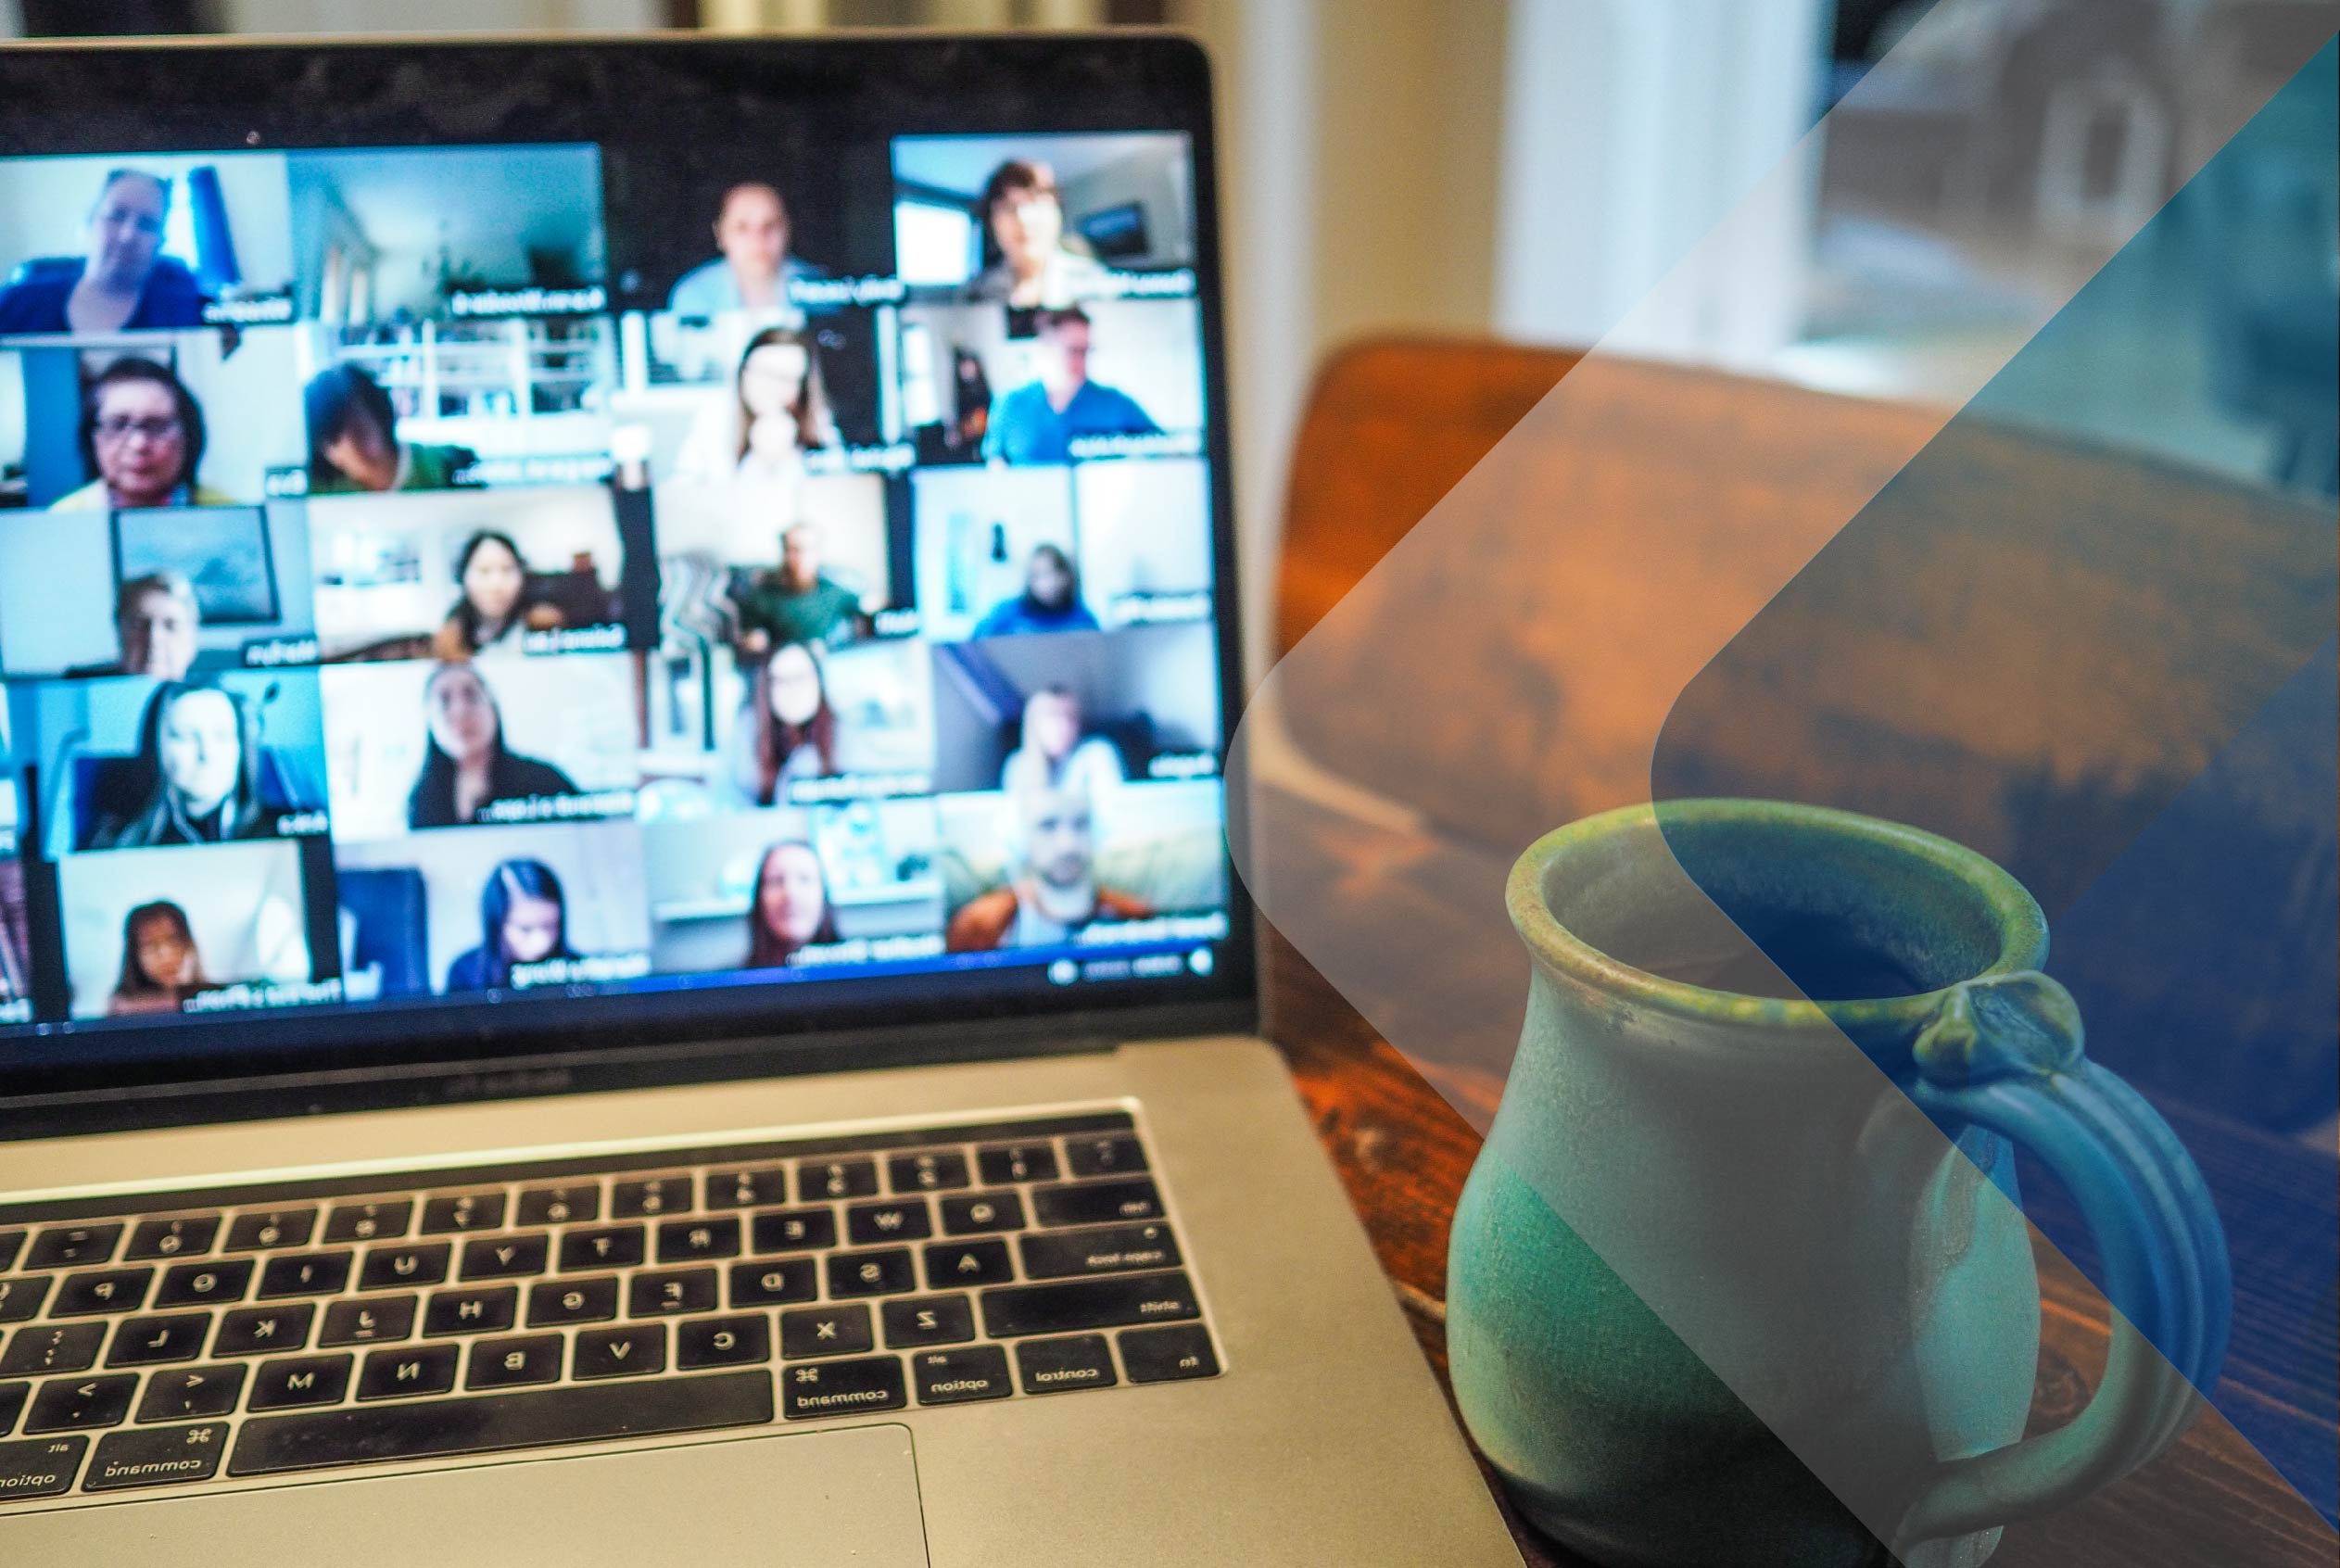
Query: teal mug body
x,y
1740,1277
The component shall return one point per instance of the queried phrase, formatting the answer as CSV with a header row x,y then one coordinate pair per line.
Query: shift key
x,y
1111,1301
1096,1203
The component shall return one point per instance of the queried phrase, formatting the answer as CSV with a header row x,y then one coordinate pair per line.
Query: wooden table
x,y
1403,1150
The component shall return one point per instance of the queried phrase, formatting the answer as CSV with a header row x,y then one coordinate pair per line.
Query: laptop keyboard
x,y
175,1340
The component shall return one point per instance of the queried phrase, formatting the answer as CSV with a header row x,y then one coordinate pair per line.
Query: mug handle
x,y
2004,1054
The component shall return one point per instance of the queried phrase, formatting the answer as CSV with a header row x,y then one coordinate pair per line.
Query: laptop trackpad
x,y
818,1499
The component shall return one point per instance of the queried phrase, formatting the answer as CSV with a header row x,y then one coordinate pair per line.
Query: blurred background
x,y
1526,169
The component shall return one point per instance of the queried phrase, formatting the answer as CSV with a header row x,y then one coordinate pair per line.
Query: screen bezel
x,y
201,95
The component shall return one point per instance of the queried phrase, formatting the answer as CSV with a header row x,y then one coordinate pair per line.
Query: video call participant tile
x,y
425,745
766,890
169,593
493,909
484,575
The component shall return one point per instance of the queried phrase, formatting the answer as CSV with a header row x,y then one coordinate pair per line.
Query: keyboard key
x,y
671,1293
747,1186
1111,1250
51,1348
871,1273
265,1231
205,1285
507,1363
1052,1366
1117,1154
775,1282
185,1235
827,1388
929,1171
145,1341
372,1219
264,1330
819,1180
960,1377
1169,1354
109,1290
40,1470
462,1212
974,1213
867,1225
414,1370
577,1205
76,1404
12,1399
72,1247
370,1320
298,1381
579,1414
630,1351
21,1297
825,1331
571,1301
927,1319
188,1392
1096,1203
698,1241
649,1197
950,1265
505,1258
617,1247
403,1267
491,1309
160,1456
793,1230
1108,1302
305,1273
1017,1162
722,1342
11,1243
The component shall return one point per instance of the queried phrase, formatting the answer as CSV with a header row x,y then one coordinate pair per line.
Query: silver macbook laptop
x,y
615,935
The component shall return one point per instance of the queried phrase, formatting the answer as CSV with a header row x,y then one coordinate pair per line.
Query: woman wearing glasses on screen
x,y
787,731
466,767
524,920
122,282
778,410
143,435
195,779
161,967
788,910
1029,261
354,445
494,612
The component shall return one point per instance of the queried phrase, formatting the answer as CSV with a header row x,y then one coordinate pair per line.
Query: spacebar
x,y
437,1428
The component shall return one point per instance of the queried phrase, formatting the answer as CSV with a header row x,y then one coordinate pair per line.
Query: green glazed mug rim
x,y
2020,926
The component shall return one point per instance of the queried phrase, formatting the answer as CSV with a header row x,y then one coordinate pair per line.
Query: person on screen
x,y
753,268
1055,895
788,910
354,446
1050,602
1053,755
466,767
158,625
797,602
787,731
195,779
1029,261
523,919
778,410
161,967
495,610
122,282
1039,420
143,435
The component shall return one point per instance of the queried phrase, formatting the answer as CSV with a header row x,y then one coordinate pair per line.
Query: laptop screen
x,y
471,585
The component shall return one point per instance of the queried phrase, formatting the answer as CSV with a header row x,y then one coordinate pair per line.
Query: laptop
x,y
616,943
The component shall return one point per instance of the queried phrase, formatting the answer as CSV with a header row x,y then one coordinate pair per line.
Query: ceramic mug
x,y
1772,1061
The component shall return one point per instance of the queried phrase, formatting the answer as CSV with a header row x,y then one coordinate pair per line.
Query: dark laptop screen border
x,y
205,97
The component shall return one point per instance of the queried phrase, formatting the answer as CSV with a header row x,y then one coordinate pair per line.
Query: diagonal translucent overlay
x,y
1812,1250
